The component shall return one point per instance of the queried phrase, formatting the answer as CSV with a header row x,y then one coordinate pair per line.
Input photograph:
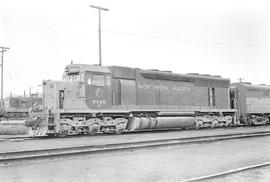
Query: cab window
x,y
97,80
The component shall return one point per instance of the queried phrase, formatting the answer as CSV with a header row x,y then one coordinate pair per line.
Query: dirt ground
x,y
259,175
165,164
14,145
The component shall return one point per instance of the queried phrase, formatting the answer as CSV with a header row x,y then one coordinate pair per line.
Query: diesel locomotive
x,y
112,99
252,102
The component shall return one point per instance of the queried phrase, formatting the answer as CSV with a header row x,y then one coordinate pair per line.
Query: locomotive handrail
x,y
237,109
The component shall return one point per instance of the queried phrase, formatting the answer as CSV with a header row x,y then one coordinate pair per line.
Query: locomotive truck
x,y
112,99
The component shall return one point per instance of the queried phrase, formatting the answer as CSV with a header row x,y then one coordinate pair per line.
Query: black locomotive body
x,y
252,102
93,99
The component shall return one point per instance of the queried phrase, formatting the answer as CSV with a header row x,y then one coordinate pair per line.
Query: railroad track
x,y
21,138
18,156
15,138
216,176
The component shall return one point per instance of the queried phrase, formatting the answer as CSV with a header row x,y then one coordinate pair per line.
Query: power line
x,y
189,41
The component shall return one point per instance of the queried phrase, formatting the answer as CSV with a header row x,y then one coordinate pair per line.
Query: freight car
x,y
116,99
18,107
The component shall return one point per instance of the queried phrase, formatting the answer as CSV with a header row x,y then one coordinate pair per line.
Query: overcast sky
x,y
230,38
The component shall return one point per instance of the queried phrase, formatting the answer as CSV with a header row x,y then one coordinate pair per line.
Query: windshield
x,y
99,80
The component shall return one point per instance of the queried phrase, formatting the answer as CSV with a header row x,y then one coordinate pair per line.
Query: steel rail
x,y
85,135
226,173
102,134
13,156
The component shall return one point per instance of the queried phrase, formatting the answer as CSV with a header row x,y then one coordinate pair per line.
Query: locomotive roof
x,y
252,86
166,75
130,73
198,80
91,68
175,76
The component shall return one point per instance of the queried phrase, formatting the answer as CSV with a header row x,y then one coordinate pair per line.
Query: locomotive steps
x,y
27,155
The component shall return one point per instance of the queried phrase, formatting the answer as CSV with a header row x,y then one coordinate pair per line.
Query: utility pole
x,y
241,80
3,49
99,29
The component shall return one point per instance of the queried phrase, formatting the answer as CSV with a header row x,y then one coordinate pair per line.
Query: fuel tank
x,y
145,123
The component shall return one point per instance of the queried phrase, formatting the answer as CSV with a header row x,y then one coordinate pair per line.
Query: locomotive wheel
x,y
51,135
62,134
118,132
92,132
199,124
215,123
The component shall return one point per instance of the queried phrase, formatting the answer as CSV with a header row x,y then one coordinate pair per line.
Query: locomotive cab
x,y
98,89
97,81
